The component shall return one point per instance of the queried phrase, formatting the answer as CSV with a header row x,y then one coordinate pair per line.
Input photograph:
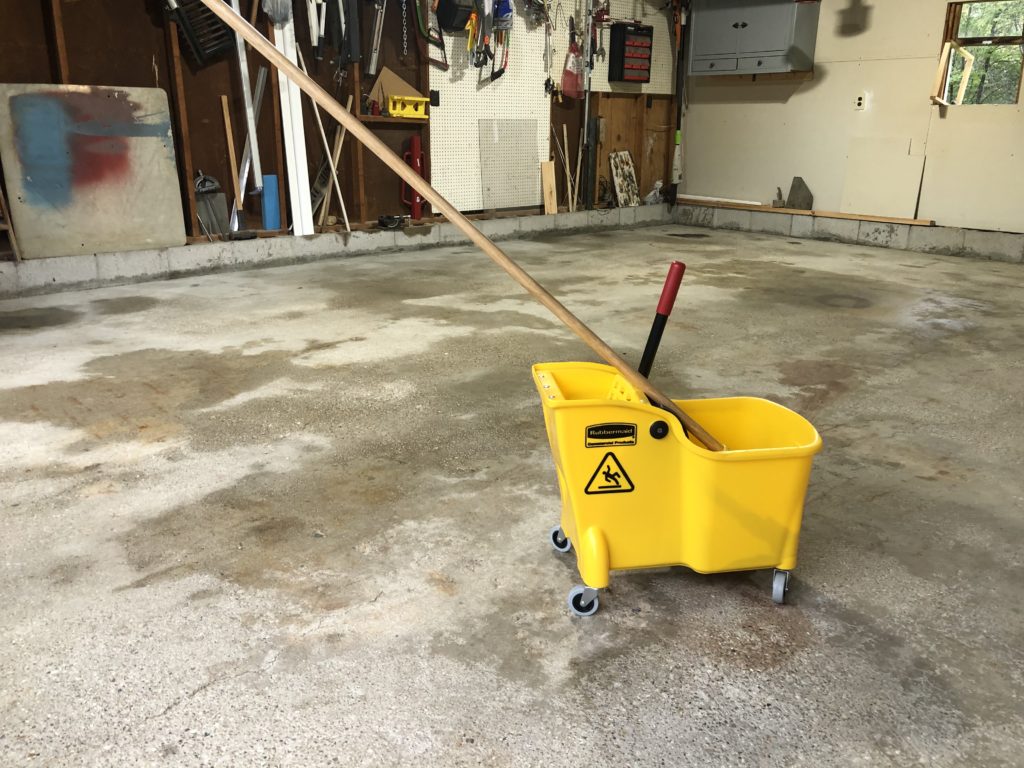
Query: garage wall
x,y
897,157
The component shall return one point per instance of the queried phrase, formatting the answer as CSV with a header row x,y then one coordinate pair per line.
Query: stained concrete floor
x,y
297,516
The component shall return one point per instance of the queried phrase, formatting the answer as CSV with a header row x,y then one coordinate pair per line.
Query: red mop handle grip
x,y
668,293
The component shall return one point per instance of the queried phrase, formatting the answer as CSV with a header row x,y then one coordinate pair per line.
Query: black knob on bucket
x,y
659,429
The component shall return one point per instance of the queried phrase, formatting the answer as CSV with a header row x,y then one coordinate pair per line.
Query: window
x,y
991,34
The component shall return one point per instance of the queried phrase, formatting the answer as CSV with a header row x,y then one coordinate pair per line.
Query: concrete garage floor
x,y
297,516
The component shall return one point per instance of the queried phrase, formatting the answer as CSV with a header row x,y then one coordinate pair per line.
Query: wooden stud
x,y
368,139
60,47
181,128
940,76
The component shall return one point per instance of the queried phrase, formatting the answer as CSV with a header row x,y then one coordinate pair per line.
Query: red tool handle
x,y
668,293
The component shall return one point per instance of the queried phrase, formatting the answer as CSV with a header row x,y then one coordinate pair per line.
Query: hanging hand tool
x,y
378,29
433,37
572,73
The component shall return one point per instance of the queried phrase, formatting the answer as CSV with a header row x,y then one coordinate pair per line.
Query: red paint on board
x,y
99,155
99,159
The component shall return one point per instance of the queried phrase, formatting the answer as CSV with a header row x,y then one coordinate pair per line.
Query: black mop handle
x,y
665,304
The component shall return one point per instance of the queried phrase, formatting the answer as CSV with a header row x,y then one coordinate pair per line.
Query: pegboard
x,y
509,163
467,96
646,12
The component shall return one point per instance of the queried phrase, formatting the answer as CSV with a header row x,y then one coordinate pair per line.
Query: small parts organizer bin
x,y
630,55
637,492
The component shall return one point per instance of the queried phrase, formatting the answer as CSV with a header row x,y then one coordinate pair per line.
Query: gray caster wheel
x,y
780,586
559,540
583,601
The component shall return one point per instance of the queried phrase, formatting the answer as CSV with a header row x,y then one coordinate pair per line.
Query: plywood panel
x,y
89,169
882,177
974,174
864,30
744,140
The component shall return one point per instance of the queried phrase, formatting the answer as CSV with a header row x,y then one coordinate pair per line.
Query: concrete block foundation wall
x,y
93,270
949,241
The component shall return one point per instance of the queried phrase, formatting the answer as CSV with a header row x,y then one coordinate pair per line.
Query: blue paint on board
x,y
41,135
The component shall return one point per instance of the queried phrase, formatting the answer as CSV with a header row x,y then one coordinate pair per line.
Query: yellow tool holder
x,y
638,493
408,106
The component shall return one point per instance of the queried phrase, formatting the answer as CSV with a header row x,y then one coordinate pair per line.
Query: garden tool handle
x,y
665,304
374,144
671,289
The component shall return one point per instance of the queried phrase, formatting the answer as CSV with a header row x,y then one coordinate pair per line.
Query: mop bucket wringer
x,y
638,492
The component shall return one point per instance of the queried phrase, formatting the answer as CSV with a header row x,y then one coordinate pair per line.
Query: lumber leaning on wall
x,y
363,134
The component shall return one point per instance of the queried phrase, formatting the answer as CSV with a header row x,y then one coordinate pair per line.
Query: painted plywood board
x,y
882,177
89,169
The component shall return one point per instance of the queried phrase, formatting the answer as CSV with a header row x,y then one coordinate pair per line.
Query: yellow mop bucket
x,y
638,493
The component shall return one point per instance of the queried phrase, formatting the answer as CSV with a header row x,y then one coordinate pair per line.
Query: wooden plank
x,y
366,137
181,129
60,46
360,161
707,203
547,184
965,78
235,185
940,75
568,174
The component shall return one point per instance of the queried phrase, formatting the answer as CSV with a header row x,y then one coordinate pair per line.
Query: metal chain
x,y
405,29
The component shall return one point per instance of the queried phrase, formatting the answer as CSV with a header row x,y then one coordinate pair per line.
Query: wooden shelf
x,y
392,120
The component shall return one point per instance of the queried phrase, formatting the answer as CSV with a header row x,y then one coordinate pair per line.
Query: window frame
x,y
952,42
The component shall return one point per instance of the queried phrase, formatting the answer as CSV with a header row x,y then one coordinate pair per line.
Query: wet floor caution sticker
x,y
609,477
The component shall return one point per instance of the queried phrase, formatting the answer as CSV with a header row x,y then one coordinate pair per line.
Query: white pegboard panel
x,y
509,163
651,12
467,96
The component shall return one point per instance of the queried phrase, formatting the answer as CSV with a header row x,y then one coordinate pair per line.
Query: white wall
x,y
898,157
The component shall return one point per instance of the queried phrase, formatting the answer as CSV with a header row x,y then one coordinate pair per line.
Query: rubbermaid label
x,y
610,435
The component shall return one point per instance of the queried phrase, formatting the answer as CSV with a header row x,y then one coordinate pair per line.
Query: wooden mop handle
x,y
361,133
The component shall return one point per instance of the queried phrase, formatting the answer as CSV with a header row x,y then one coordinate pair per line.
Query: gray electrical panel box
x,y
749,37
